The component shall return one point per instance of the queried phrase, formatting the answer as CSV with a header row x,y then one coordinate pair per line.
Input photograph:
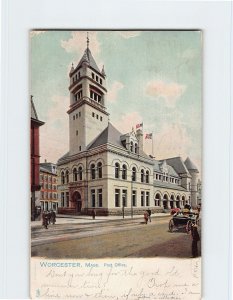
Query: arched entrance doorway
x,y
165,200
157,200
77,202
172,203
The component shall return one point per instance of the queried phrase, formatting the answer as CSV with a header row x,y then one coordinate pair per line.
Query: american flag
x,y
139,125
148,136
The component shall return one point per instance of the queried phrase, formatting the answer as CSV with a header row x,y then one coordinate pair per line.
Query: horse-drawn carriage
x,y
182,220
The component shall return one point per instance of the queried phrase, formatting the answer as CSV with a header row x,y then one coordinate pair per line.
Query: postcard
x,y
116,172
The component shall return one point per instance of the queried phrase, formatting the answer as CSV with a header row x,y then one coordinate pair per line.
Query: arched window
x,y
117,170
62,178
134,174
75,175
80,173
136,148
142,175
67,176
92,171
124,172
147,176
131,146
99,168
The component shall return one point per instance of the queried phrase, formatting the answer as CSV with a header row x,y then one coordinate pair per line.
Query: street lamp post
x,y
132,196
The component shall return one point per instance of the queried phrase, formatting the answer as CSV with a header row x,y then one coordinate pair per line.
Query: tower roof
x,y
87,57
190,165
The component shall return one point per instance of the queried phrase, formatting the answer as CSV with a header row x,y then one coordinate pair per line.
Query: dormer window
x,y
93,75
101,81
136,148
97,78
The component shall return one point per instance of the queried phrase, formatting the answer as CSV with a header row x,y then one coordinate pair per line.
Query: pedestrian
x,y
93,214
149,214
53,217
146,217
187,206
44,220
195,239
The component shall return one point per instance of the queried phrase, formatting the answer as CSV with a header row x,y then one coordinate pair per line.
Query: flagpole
x,y
152,144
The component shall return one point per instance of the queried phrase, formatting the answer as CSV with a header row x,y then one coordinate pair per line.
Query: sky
x,y
154,77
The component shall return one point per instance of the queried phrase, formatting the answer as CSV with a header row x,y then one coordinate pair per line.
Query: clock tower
x,y
87,113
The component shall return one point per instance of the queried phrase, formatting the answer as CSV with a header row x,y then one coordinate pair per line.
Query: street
x,y
87,238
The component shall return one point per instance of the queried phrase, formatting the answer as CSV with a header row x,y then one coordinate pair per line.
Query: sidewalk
x,y
72,219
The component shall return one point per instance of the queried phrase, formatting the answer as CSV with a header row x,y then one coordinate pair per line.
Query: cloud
x,y
125,123
169,92
172,140
129,34
35,33
113,91
54,134
78,41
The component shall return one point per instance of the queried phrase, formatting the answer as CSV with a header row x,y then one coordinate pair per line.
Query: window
x,y
79,114
97,117
42,195
147,176
131,146
67,199
101,81
101,119
100,198
142,198
79,75
80,148
124,198
62,178
142,175
75,175
117,170
97,78
117,198
147,198
134,174
124,172
93,114
99,168
92,171
74,117
80,172
76,132
136,148
76,77
93,75
67,176
134,198
62,199
93,198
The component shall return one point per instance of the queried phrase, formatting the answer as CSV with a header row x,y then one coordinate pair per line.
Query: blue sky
x,y
154,77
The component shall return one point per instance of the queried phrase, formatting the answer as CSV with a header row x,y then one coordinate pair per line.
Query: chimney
x,y
139,136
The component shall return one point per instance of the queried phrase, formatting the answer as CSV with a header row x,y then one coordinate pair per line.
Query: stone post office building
x,y
108,171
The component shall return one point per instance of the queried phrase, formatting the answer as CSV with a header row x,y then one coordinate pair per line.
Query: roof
x,y
87,57
48,167
178,165
34,116
168,185
171,170
64,156
190,165
109,135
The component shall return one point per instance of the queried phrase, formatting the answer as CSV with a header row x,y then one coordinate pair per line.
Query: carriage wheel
x,y
171,225
188,226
